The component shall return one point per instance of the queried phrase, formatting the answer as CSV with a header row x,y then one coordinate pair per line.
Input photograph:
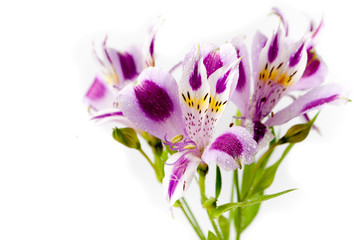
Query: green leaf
x,y
248,174
258,199
212,236
127,137
266,178
298,133
224,226
248,214
218,182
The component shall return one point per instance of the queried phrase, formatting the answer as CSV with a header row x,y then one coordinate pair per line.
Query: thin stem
x,y
236,182
194,226
148,159
183,202
203,199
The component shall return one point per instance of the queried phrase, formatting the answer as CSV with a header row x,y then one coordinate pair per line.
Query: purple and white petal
x,y
127,64
194,94
153,103
279,69
232,148
221,83
312,100
261,133
259,42
100,95
314,73
180,169
282,18
241,95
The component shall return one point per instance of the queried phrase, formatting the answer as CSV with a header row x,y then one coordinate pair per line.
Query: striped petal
x,y
241,95
232,148
259,42
280,65
180,169
221,83
314,99
194,93
153,103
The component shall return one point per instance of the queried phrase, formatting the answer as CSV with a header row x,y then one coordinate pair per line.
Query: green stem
x,y
148,159
194,225
237,216
183,200
203,199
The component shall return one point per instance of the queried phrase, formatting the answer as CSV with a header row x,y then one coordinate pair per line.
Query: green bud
x,y
127,137
203,169
210,203
297,133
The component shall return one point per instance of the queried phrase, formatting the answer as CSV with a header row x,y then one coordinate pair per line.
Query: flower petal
x,y
180,169
230,149
314,73
259,42
153,103
100,95
127,64
221,83
241,95
194,93
278,70
314,99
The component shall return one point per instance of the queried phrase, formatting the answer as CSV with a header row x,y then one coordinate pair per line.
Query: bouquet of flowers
x,y
177,117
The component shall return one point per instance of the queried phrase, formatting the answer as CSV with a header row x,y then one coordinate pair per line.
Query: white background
x,y
62,177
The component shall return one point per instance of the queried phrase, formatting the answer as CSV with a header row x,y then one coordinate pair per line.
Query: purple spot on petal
x,y
221,83
259,131
97,90
177,172
242,77
319,102
212,62
273,49
229,144
195,78
113,114
295,58
153,100
312,63
128,65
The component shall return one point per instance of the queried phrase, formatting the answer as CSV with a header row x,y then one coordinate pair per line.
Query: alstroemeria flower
x,y
118,69
280,65
191,109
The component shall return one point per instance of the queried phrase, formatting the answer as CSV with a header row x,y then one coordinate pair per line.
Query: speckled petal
x,y
221,83
180,169
194,93
232,148
314,99
153,103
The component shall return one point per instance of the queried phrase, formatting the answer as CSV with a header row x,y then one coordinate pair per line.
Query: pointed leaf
x,y
224,226
227,207
248,215
267,176
211,236
218,182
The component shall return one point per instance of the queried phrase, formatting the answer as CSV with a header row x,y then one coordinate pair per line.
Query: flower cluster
x,y
178,117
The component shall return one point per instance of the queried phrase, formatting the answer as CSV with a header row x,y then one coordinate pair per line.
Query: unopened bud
x,y
127,137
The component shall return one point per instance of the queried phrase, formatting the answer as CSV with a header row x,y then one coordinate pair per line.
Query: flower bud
x,y
127,137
